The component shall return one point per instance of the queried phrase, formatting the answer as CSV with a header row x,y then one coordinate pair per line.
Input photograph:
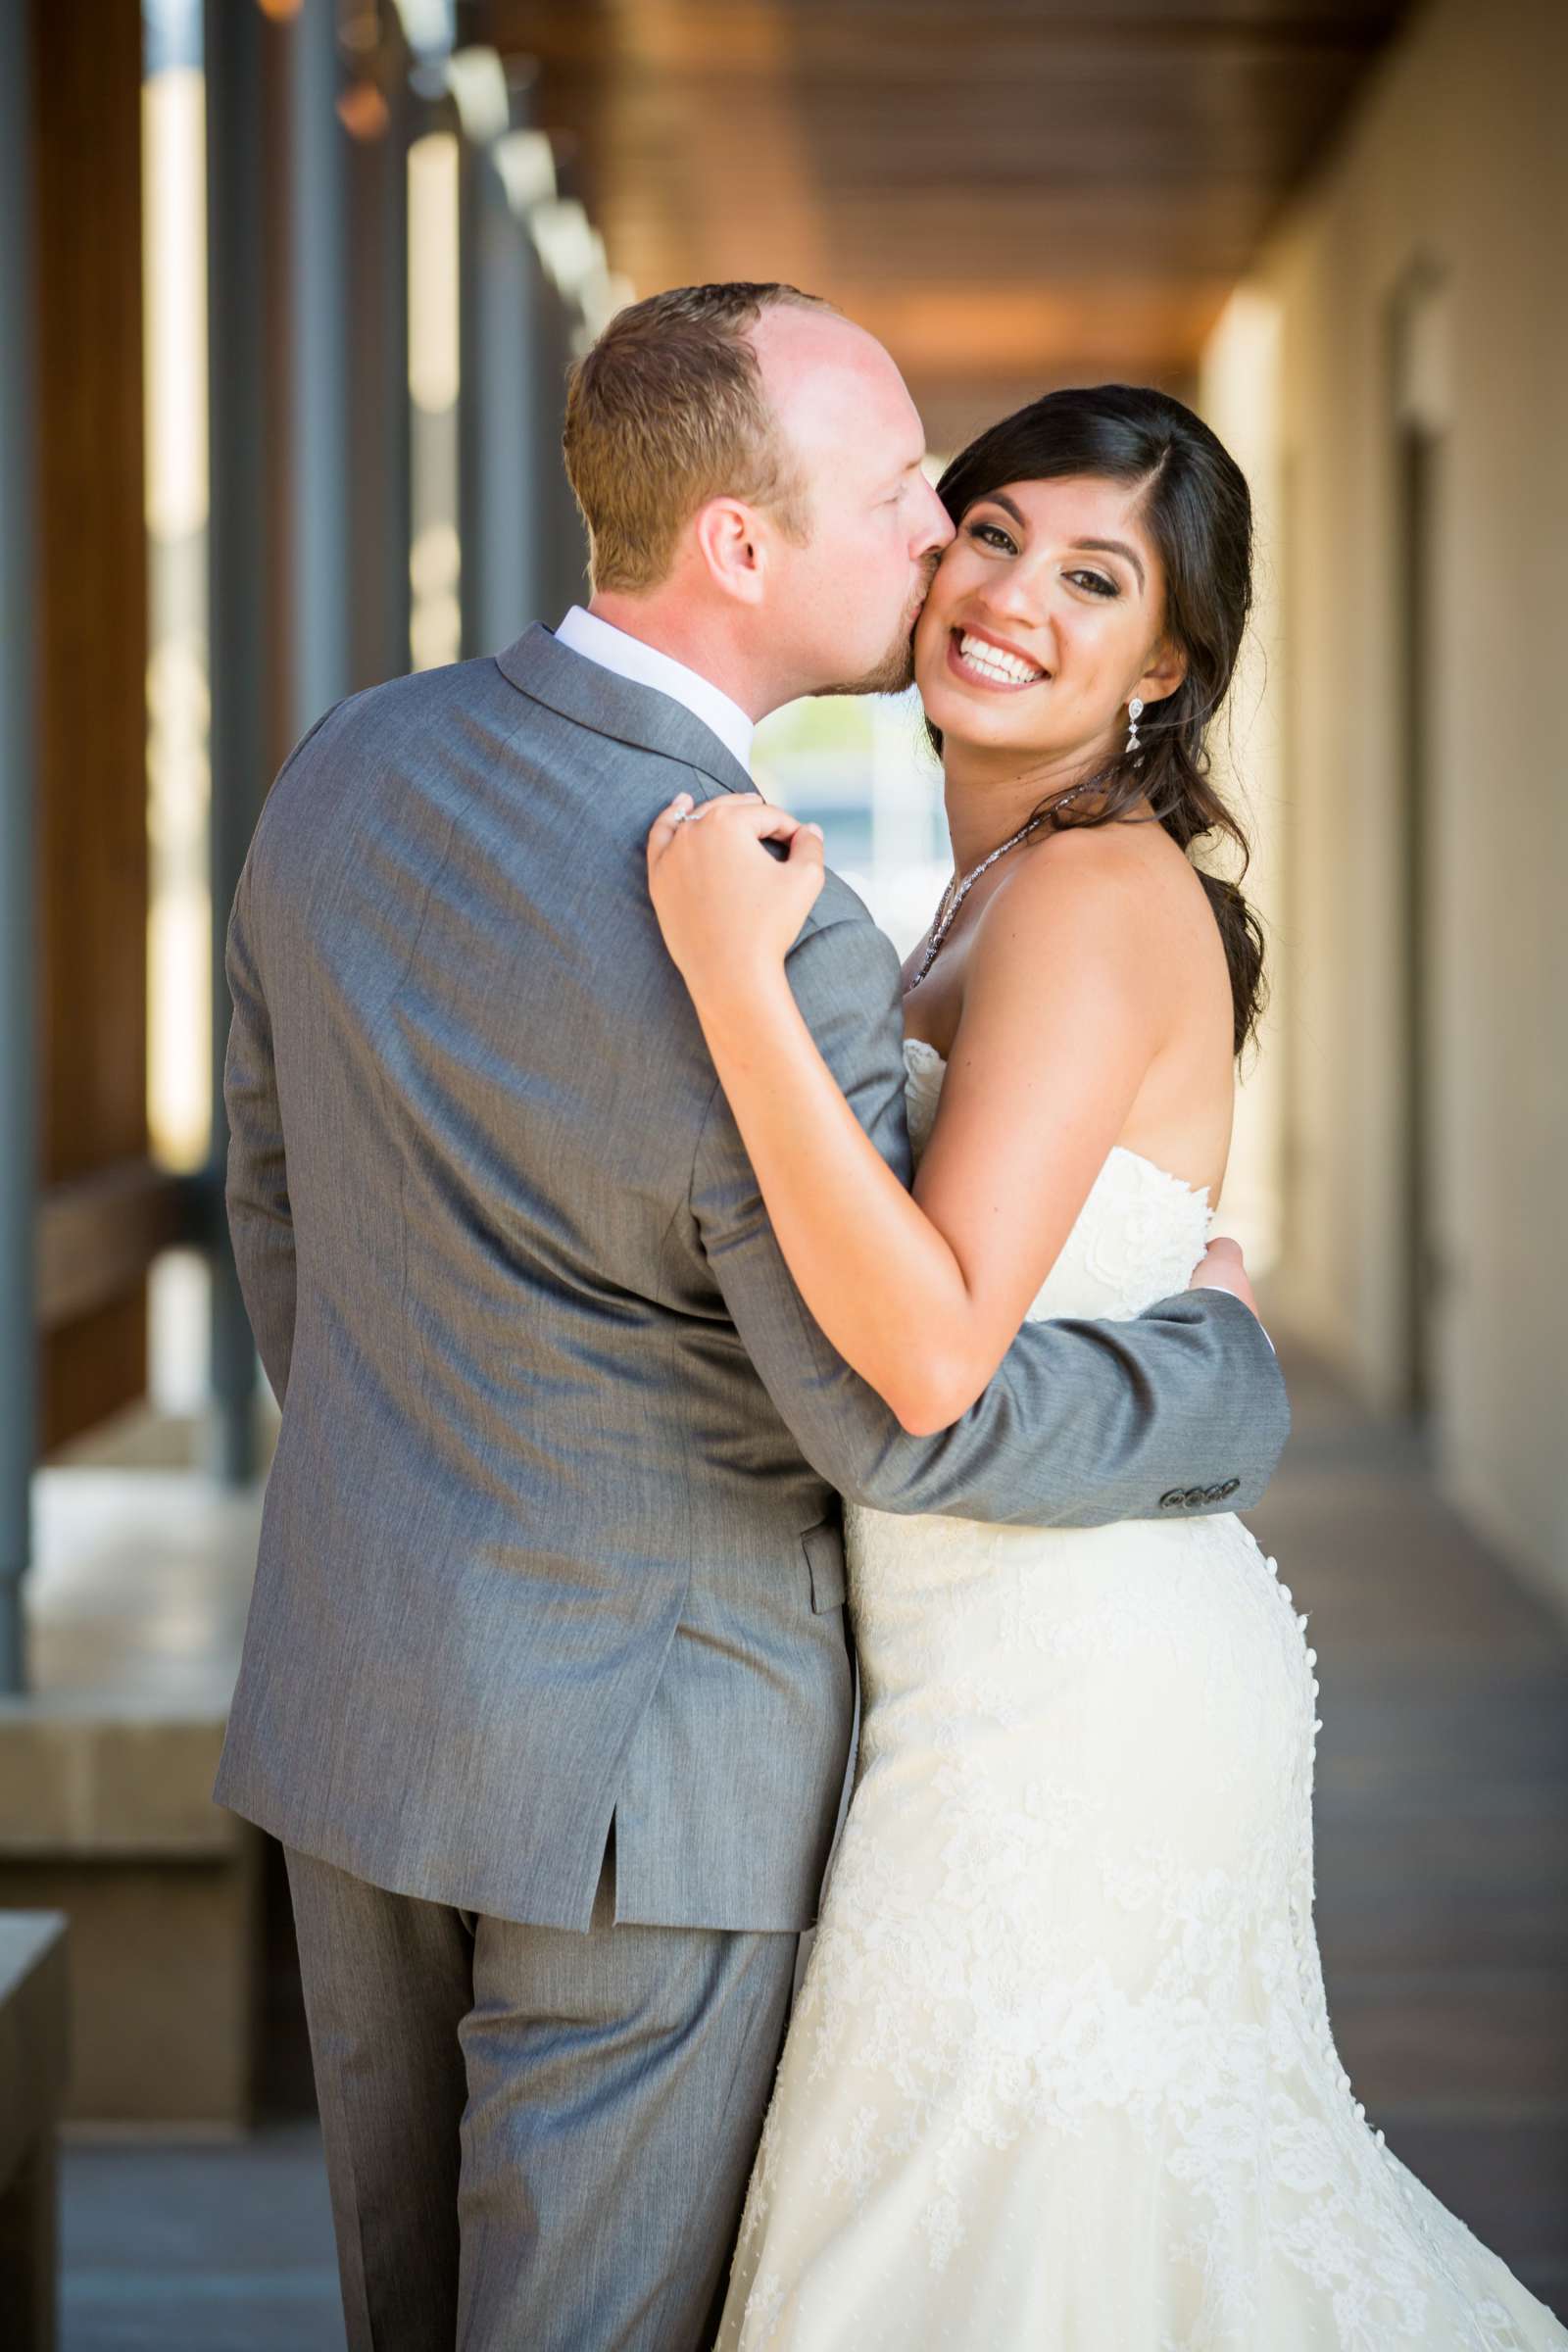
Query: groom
x,y
547,1682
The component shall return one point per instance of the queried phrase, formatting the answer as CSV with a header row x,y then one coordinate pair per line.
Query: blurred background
x,y
287,293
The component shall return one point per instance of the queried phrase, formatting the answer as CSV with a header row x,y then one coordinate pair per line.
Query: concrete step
x,y
136,1607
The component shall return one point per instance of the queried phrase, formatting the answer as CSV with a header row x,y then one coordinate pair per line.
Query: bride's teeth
x,y
995,663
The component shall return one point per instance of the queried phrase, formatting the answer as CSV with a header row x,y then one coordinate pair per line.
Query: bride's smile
x,y
981,660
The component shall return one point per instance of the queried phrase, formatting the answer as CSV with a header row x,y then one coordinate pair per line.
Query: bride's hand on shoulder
x,y
727,906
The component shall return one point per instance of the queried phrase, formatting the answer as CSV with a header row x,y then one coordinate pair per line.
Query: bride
x,y
1061,2074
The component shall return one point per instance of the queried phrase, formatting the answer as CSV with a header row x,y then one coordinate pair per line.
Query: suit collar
x,y
599,699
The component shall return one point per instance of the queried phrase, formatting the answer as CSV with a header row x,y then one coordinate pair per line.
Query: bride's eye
x,y
1096,582
992,534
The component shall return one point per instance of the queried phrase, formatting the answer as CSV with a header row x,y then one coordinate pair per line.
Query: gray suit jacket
x,y
553,1534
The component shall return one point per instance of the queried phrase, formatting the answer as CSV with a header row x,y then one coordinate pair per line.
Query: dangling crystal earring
x,y
1135,712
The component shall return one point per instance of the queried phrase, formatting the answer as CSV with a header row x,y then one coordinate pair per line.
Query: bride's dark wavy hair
x,y
1197,510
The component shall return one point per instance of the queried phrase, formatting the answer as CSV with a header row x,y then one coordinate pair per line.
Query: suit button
x,y
1172,1500
1213,1493
1194,1497
1229,1488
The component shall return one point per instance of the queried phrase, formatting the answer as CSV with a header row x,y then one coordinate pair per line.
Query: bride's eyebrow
x,y
1000,498
1113,547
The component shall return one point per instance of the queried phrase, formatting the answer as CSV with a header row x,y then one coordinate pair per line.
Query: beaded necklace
x,y
957,891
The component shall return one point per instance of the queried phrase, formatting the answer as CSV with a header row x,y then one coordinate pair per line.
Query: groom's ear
x,y
729,544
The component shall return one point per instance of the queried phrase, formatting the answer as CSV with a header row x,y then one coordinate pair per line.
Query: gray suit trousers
x,y
535,2137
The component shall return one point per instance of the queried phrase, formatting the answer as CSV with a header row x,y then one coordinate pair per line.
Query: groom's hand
x,y
1220,1268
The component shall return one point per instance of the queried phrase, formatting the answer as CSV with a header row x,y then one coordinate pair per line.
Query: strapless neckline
x,y
922,1059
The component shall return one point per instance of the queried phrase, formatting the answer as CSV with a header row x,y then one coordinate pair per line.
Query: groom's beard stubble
x,y
896,669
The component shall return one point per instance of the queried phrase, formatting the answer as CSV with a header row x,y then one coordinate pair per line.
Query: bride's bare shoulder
x,y
1097,874
1096,906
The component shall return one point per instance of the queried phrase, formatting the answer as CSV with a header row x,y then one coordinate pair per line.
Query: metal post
x,y
499,422
563,575
379,452
470,417
318,599
237,617
19,1156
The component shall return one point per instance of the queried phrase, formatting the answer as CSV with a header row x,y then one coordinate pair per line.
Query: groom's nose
x,y
936,525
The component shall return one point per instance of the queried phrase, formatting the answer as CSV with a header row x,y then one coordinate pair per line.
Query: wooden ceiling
x,y
1012,193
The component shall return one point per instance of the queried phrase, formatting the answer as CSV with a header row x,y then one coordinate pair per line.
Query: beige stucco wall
x,y
1455,168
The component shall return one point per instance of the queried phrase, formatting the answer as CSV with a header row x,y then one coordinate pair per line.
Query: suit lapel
x,y
578,688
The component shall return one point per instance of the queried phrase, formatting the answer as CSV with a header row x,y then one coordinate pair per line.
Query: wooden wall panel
x,y
92,647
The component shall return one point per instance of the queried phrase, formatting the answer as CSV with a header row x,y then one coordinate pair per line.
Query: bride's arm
x,y
923,1294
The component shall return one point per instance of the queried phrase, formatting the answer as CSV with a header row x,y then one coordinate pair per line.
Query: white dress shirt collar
x,y
629,658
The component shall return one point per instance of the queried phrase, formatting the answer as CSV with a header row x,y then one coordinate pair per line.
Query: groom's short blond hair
x,y
667,410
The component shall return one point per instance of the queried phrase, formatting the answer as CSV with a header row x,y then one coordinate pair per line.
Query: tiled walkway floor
x,y
1442,1826
200,2249
1442,1907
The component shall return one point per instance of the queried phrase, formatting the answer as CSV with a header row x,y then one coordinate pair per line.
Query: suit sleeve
x,y
1084,1423
259,1224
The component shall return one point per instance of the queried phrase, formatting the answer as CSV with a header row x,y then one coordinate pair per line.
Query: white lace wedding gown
x,y
1060,2076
